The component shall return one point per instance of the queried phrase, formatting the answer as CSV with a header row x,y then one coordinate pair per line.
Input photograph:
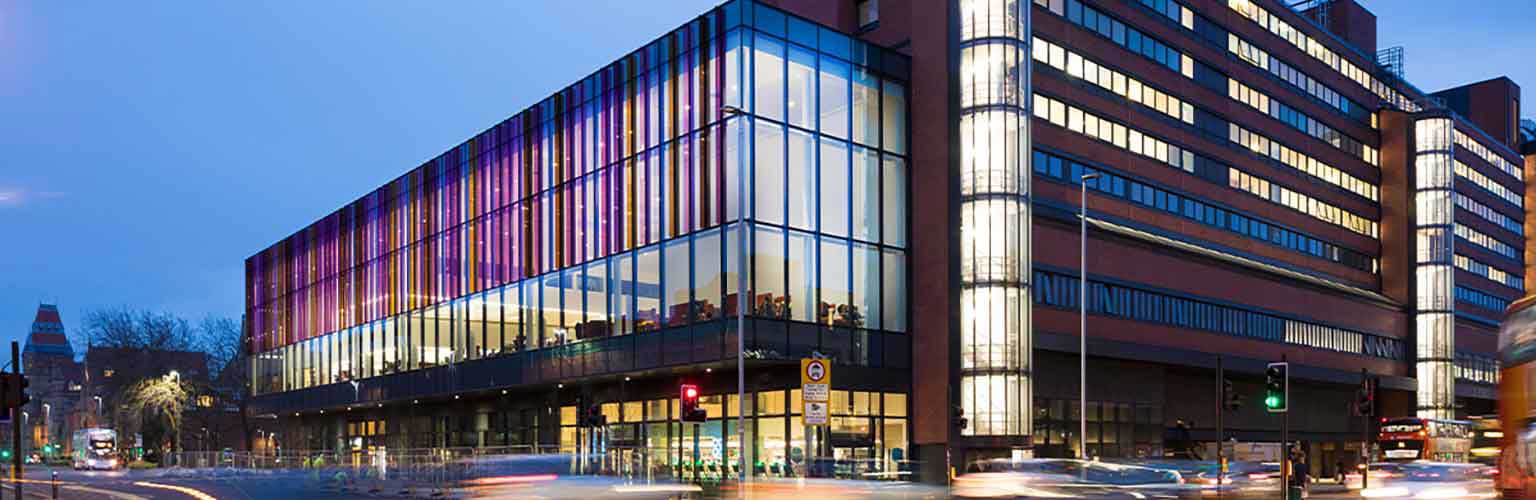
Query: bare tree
x,y
123,328
223,340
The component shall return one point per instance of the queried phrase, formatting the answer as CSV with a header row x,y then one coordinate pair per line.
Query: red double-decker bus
x,y
1411,438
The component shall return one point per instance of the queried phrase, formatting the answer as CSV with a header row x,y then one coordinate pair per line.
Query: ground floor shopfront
x,y
868,427
1137,408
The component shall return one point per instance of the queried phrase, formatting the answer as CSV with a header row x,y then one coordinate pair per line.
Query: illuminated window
x,y
107,373
205,401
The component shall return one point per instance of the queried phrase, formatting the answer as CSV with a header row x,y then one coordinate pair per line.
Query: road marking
x,y
98,491
179,489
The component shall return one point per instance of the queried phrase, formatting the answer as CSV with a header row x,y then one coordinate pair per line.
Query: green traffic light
x,y
1272,401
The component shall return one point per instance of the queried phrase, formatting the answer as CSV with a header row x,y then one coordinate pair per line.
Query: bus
x,y
95,449
1412,438
1517,394
1486,436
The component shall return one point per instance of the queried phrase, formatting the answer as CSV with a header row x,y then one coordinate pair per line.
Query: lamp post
x,y
47,415
741,319
1082,315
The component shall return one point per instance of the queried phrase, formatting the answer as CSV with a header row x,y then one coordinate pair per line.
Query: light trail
x,y
179,489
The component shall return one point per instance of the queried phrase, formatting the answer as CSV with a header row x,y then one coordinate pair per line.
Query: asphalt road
x,y
173,485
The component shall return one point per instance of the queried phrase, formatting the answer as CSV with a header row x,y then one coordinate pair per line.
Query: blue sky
x,y
148,148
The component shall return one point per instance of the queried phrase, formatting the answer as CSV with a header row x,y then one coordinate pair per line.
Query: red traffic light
x,y
690,392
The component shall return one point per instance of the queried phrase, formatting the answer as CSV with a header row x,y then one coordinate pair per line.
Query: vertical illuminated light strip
x,y
1435,330
995,341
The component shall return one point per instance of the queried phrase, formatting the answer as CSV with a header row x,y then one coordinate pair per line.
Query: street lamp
x,y
741,318
47,414
1082,315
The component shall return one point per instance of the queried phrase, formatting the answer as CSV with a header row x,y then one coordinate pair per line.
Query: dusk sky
x,y
148,148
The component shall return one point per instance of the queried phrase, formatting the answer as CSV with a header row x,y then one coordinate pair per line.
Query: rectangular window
x,y
770,297
834,194
801,103
801,170
893,204
866,194
768,172
768,77
834,97
893,284
802,276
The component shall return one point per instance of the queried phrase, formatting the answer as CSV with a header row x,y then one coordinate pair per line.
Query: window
x,y
205,401
768,71
869,13
834,187
108,373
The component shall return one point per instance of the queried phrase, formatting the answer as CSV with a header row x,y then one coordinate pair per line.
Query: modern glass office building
x,y
894,185
750,163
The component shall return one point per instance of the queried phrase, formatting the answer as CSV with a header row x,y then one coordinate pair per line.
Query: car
x,y
1433,481
1060,478
1380,471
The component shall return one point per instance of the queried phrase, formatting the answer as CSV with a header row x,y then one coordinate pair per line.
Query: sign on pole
x,y
815,389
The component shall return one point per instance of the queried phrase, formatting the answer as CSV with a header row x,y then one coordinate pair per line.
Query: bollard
x,y
55,485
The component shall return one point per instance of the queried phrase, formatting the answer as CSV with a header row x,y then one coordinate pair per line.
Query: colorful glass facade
x,y
616,207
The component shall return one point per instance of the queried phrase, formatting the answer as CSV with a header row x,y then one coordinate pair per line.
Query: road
x,y
175,485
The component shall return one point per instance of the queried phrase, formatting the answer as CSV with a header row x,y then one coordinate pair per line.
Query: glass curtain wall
x,y
994,171
612,209
1435,329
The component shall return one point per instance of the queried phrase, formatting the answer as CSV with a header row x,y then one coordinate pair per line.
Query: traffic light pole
x,y
1221,429
1285,438
16,425
1365,431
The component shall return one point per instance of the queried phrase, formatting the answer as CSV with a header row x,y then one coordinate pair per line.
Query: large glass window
x,y
894,110
770,296
802,87
893,270
866,287
677,284
834,97
834,292
768,172
594,287
648,290
550,317
476,330
834,187
866,108
866,194
802,275
707,284
768,77
893,201
623,287
802,180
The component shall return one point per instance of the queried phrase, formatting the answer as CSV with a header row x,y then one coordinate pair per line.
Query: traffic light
x,y
690,410
1230,400
1277,387
1365,398
13,387
958,413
